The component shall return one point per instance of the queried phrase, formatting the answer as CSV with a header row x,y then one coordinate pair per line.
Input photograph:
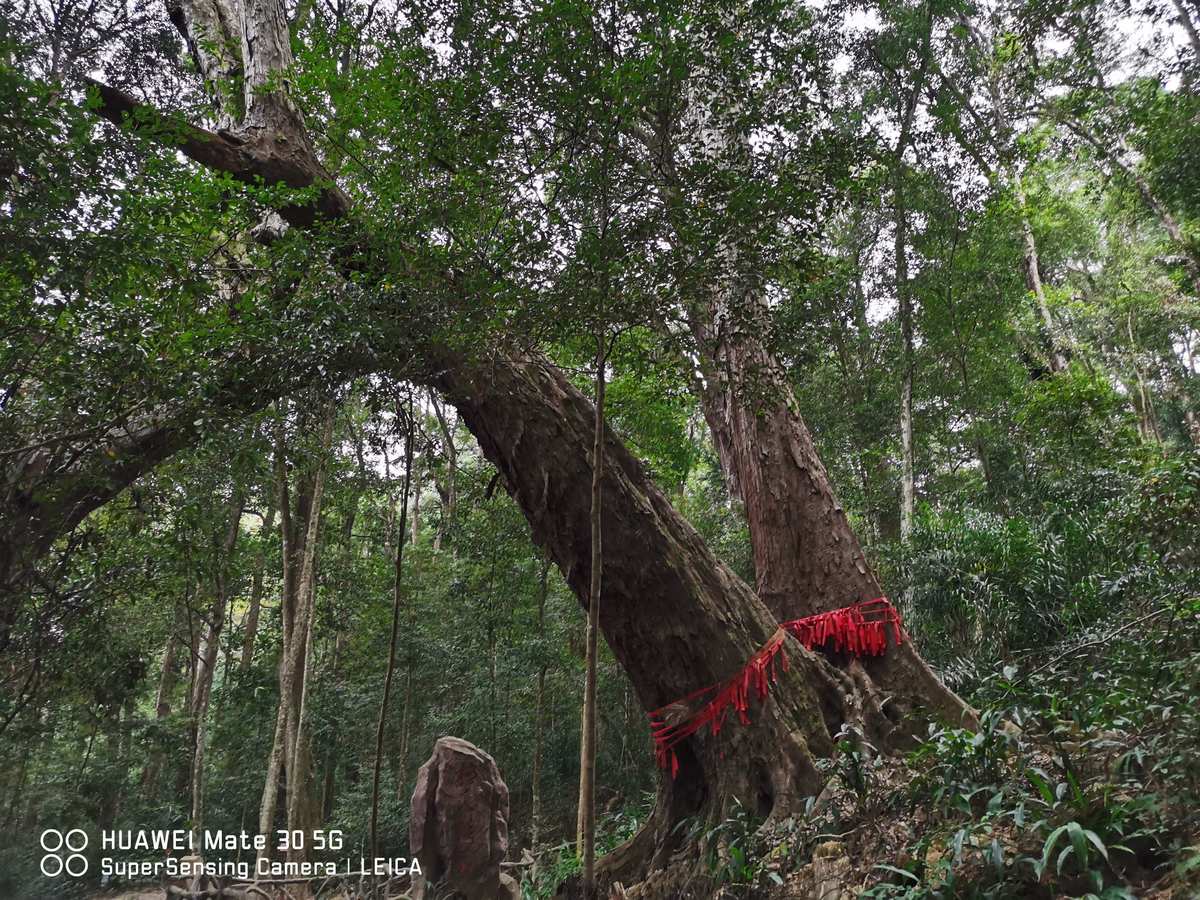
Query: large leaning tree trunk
x,y
675,617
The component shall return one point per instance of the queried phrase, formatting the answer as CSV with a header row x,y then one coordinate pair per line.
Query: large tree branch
x,y
264,159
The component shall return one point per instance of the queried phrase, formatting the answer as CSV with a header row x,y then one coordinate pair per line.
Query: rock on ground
x,y
458,829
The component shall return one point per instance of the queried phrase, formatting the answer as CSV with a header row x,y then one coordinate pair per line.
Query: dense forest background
x,y
978,232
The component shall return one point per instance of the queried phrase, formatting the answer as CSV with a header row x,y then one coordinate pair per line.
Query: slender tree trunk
x,y
587,752
906,106
908,491
1189,26
416,506
331,758
301,807
1004,147
1192,422
1033,280
167,679
1144,405
539,722
401,763
290,751
256,591
1117,159
450,499
266,820
397,606
206,660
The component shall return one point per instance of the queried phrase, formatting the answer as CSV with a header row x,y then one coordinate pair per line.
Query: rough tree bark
x,y
807,558
707,622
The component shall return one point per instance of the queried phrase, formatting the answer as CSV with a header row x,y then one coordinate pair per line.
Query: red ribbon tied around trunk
x,y
860,630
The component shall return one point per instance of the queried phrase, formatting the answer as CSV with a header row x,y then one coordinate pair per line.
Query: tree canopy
x,y
304,305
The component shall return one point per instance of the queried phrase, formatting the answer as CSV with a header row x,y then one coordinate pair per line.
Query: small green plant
x,y
1078,842
958,765
732,845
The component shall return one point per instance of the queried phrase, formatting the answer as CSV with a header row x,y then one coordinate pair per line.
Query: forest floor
x,y
1082,782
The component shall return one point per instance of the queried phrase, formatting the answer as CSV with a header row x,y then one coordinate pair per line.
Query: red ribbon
x,y
860,630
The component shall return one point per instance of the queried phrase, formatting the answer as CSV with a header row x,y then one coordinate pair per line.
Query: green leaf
x,y
1047,849
1099,844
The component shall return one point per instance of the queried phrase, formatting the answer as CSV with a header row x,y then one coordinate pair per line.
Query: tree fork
x,y
707,622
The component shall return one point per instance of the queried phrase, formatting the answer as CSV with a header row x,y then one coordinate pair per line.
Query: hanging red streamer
x,y
861,630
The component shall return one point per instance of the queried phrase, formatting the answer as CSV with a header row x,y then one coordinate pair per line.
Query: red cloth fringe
x,y
860,629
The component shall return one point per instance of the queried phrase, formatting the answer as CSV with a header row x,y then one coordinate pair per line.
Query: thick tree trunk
x,y
536,428
533,424
807,558
47,490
